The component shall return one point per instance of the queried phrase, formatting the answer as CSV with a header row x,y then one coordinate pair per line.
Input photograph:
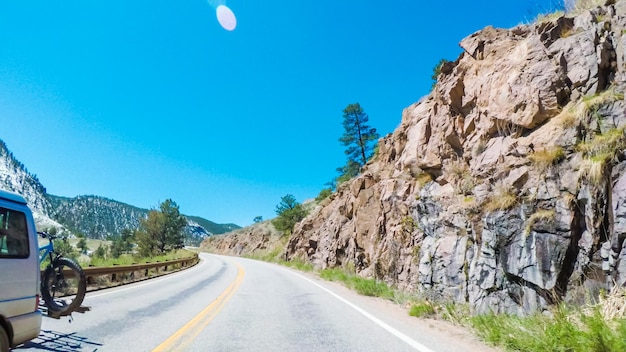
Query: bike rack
x,y
57,315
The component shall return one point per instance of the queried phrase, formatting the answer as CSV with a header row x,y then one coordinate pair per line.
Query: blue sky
x,y
141,101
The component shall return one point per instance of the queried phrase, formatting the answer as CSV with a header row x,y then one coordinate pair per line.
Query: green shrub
x,y
297,264
325,193
334,274
366,287
371,287
289,214
437,72
422,310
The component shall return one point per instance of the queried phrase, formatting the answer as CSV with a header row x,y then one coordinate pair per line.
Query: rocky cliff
x,y
260,239
15,177
505,187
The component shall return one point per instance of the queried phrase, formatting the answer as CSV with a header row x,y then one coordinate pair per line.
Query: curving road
x,y
235,304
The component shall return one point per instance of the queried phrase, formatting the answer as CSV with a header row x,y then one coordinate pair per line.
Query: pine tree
x,y
101,252
437,72
359,138
162,230
82,245
149,232
289,213
175,222
122,244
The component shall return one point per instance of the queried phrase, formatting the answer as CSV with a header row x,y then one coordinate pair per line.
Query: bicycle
x,y
63,284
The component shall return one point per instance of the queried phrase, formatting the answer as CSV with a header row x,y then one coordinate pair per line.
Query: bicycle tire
x,y
5,346
63,286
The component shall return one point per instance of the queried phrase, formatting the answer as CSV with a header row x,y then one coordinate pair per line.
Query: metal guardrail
x,y
117,269
172,265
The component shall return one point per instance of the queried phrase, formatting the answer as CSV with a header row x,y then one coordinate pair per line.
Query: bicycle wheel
x,y
63,286
4,340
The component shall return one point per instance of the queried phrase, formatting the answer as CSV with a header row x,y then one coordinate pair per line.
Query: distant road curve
x,y
235,304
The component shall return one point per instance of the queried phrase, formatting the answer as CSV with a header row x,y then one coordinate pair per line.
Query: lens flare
x,y
226,18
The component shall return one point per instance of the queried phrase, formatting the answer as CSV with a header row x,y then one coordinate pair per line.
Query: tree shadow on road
x,y
60,342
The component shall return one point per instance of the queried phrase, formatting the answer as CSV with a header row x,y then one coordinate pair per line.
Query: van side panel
x,y
19,281
26,327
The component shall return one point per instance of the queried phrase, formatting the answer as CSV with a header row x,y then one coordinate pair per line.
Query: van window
x,y
13,234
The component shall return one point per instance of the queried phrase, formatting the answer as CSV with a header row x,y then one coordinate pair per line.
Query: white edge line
x,y
416,345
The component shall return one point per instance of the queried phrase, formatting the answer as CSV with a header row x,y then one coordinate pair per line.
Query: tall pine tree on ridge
x,y
359,138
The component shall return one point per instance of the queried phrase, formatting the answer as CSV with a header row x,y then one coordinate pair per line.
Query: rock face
x,y
505,187
258,239
15,178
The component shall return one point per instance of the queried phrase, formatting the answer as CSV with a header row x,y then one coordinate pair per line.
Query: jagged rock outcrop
x,y
505,187
15,177
258,239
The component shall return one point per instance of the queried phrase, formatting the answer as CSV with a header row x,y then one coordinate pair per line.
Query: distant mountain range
x,y
94,216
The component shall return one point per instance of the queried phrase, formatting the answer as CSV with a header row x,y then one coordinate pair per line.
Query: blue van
x,y
20,318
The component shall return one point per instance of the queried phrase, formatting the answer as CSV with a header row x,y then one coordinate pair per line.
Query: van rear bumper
x,y
25,327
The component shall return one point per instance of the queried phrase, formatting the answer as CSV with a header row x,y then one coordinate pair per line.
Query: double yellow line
x,y
187,334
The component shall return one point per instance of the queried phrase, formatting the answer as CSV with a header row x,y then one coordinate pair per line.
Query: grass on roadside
x,y
454,312
422,309
274,256
417,304
567,329
366,287
363,286
593,327
298,265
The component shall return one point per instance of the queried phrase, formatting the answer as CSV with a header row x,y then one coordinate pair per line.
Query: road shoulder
x,y
438,334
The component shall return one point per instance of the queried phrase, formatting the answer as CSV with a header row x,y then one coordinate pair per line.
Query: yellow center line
x,y
195,326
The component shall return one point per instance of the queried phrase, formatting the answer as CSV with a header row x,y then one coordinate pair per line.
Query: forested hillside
x,y
94,216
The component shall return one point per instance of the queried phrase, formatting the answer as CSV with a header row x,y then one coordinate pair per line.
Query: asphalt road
x,y
235,304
